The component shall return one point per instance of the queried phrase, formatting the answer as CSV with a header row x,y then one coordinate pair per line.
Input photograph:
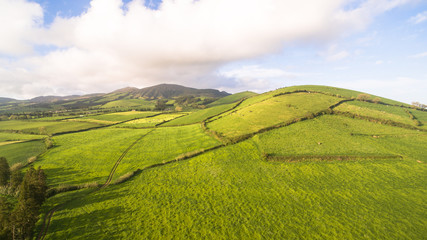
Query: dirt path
x,y
48,217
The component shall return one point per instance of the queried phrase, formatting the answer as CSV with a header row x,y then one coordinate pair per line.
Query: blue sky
x,y
83,46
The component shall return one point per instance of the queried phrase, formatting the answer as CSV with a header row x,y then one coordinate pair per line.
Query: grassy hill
x,y
120,100
304,162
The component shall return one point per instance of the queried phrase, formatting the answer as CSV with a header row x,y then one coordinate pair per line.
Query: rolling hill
x,y
303,162
125,98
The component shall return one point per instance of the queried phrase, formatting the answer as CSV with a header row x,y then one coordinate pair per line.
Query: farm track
x,y
48,217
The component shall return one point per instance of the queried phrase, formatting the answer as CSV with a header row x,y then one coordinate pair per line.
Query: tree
x,y
161,104
33,186
419,105
15,179
5,209
23,219
4,171
32,195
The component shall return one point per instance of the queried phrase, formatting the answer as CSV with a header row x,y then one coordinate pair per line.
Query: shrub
x,y
363,97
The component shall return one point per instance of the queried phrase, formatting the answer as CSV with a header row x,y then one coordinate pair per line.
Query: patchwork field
x,y
151,121
230,193
281,109
119,116
278,165
200,115
44,128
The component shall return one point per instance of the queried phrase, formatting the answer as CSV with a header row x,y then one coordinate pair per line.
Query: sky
x,y
59,47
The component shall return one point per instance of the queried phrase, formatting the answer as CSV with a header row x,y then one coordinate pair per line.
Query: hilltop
x,y
302,162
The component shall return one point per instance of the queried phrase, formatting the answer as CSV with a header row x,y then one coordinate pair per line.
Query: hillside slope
x,y
305,162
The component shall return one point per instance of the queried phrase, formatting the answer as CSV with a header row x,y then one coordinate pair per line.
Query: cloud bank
x,y
113,44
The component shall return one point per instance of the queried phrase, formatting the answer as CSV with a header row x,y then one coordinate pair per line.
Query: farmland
x,y
44,128
20,152
200,115
286,164
151,121
279,109
229,193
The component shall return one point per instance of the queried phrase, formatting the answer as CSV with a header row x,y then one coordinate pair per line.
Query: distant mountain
x,y
5,100
170,91
120,97
47,99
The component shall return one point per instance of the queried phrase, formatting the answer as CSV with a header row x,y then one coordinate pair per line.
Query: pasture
x,y
151,121
359,179
44,128
200,115
230,193
269,112
20,152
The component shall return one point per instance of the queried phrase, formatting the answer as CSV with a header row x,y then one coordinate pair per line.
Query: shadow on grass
x,y
90,223
68,176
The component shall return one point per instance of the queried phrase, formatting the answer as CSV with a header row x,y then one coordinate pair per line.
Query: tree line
x,y
18,218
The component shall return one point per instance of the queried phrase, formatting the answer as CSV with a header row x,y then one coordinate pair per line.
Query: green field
x,y
119,116
290,168
86,156
335,135
231,194
20,152
89,156
6,136
378,111
151,121
253,118
200,115
43,128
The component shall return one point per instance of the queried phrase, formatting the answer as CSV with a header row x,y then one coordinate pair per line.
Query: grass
x,y
379,111
151,121
6,137
421,116
201,115
340,91
165,144
120,116
230,193
86,156
20,152
336,135
270,112
89,156
39,127
359,179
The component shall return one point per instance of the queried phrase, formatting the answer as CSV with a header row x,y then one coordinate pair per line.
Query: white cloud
x,y
379,62
19,20
419,18
111,45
